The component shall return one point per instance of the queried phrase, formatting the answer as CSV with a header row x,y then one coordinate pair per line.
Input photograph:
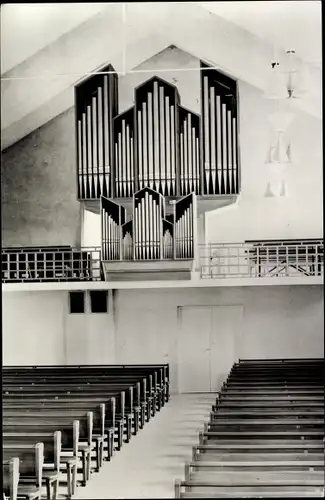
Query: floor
x,y
148,466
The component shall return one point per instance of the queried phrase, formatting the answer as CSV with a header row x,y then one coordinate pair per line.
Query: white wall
x,y
33,328
142,326
38,329
277,322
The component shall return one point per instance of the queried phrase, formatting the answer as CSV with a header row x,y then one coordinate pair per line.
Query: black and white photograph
x,y
162,250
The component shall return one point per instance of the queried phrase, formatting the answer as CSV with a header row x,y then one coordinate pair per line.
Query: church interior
x,y
162,250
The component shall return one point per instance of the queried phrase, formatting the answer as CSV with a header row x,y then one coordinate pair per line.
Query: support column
x,y
201,240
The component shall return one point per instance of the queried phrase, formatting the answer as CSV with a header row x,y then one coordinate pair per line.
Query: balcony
x,y
295,262
262,259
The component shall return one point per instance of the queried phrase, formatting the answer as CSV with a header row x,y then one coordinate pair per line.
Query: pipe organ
x,y
156,143
96,104
150,234
219,130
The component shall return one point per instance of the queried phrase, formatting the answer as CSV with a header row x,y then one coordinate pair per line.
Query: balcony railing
x,y
262,259
56,264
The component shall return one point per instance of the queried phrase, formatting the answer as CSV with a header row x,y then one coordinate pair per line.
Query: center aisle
x,y
148,465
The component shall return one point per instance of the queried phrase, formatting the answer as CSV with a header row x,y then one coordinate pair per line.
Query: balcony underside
x,y
203,203
155,270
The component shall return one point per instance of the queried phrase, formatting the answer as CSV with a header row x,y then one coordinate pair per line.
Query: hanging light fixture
x,y
297,76
276,86
288,81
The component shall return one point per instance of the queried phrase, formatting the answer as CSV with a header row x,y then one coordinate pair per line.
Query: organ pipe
x,y
219,117
157,142
157,105
96,105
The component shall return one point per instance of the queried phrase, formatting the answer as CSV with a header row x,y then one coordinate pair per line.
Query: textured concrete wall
x,y
39,197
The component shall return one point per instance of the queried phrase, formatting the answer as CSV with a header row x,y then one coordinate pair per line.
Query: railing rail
x,y
44,264
262,259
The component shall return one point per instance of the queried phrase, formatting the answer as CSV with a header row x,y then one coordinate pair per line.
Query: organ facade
x,y
149,170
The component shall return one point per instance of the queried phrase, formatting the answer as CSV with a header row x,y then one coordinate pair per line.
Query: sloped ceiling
x,y
46,49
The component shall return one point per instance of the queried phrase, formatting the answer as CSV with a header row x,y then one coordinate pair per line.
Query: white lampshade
x,y
276,87
276,189
279,153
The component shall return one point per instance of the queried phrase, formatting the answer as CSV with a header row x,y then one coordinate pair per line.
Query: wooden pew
x,y
264,437
10,476
52,454
30,467
30,423
68,462
101,431
160,373
120,418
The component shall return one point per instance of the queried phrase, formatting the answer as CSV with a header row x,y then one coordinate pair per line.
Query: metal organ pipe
x,y
162,137
168,162
145,144
190,153
224,144
186,156
230,166
140,153
219,144
124,160
213,140
94,142
89,158
156,167
106,131
84,154
206,132
120,165
173,152
100,139
234,139
80,171
150,142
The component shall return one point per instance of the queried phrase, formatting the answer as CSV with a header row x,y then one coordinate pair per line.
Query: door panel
x,y
194,349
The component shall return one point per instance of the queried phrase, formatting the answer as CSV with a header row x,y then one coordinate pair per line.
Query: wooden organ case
x,y
148,169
